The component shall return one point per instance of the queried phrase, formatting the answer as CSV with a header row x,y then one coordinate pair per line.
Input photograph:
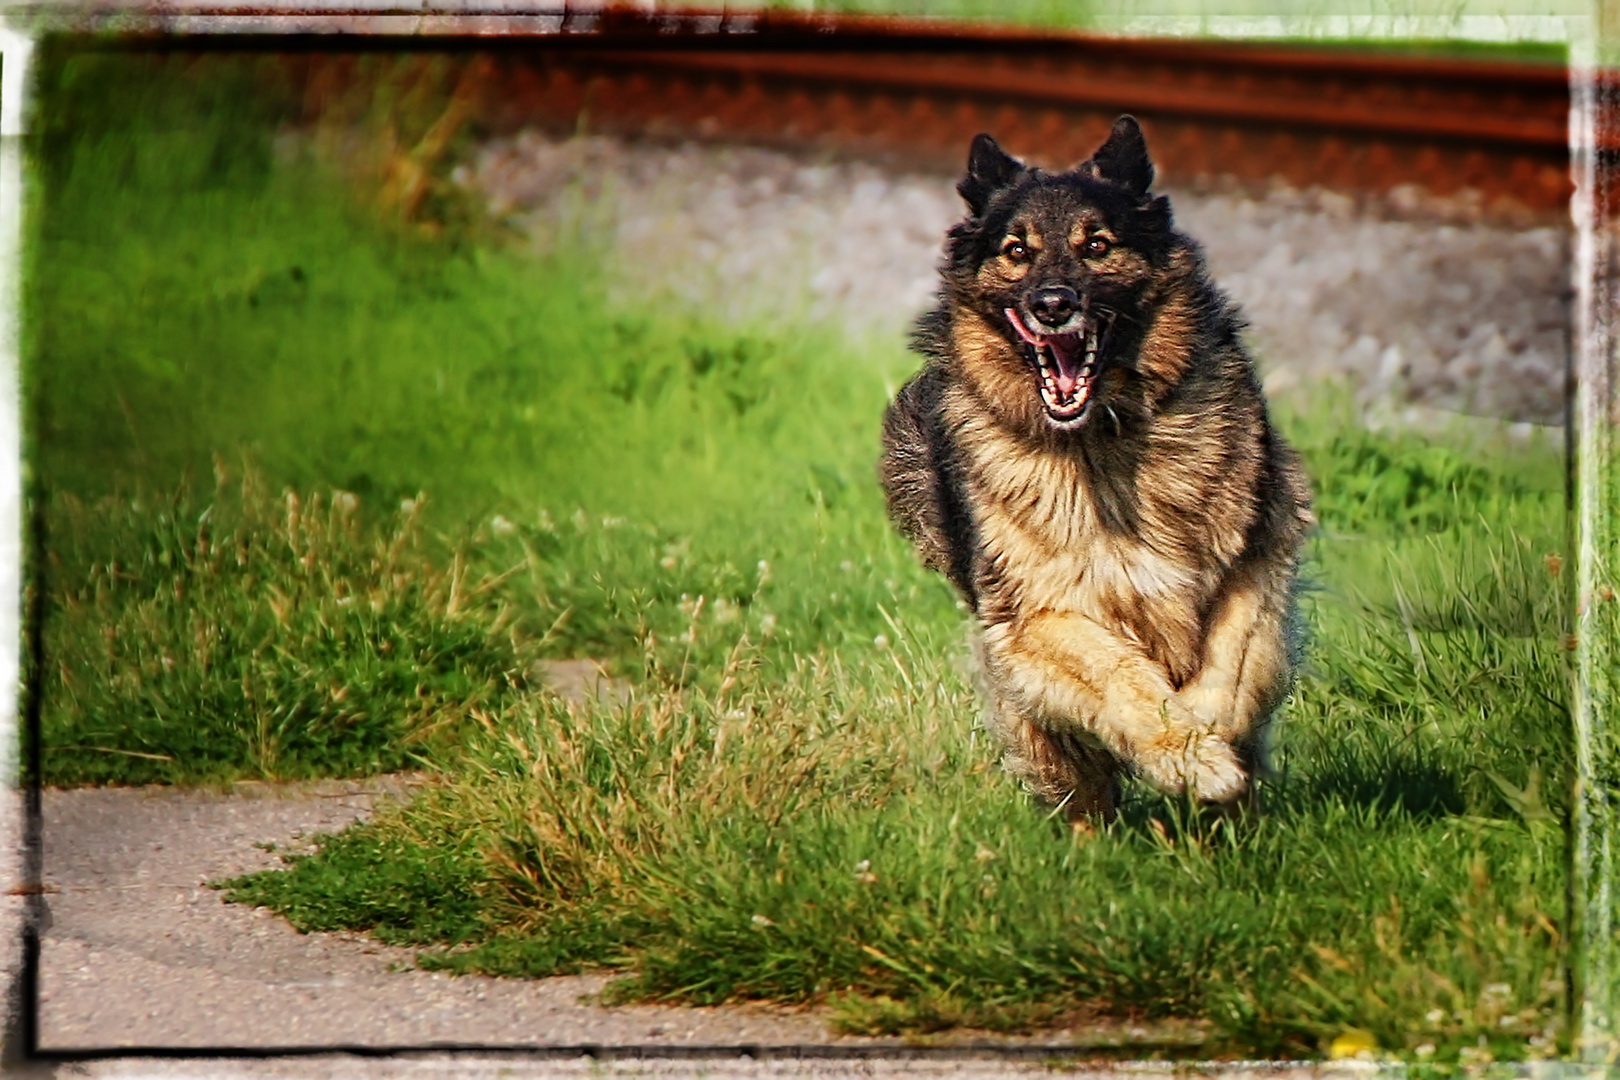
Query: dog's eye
x,y
1015,250
1096,247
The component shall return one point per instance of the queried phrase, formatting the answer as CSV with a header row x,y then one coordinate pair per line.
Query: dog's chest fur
x,y
1051,539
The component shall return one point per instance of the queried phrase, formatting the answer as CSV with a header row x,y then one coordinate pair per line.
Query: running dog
x,y
1087,456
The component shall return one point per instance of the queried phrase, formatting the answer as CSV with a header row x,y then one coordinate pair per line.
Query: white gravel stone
x,y
1458,314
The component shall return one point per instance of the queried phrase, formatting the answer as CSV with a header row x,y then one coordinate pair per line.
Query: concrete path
x,y
137,957
513,1067
138,953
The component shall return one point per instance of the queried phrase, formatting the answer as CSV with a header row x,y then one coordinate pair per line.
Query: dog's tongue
x,y
1066,352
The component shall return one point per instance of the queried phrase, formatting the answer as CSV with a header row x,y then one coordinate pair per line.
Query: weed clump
x,y
259,635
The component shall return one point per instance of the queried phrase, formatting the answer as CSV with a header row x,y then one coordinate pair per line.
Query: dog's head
x,y
1051,277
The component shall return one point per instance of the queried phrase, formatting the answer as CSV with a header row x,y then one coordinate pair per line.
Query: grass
x,y
264,636
838,832
328,521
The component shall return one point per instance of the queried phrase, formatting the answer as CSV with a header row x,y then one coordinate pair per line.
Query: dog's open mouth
x,y
1066,365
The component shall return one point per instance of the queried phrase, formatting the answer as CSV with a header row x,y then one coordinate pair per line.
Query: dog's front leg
x,y
1069,668
1247,659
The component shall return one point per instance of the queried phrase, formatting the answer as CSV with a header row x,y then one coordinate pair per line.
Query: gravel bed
x,y
1428,308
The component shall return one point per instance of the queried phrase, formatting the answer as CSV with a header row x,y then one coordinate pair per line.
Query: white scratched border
x,y
16,53
1595,412
16,56
1596,404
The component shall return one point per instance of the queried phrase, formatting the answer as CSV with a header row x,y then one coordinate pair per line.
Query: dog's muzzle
x,y
1066,364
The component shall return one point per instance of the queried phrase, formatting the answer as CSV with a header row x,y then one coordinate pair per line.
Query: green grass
x,y
186,316
270,637
460,462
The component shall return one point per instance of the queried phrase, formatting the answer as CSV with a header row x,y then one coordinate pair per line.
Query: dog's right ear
x,y
990,168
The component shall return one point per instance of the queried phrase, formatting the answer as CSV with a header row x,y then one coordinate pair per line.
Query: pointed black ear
x,y
1123,158
990,169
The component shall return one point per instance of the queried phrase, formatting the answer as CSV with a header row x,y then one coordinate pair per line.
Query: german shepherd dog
x,y
1086,455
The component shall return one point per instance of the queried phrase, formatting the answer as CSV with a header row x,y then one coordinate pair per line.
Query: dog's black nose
x,y
1053,305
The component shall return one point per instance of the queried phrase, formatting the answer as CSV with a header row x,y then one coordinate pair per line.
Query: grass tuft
x,y
260,635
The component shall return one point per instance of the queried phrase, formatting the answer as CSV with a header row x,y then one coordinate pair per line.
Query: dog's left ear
x,y
1123,158
990,168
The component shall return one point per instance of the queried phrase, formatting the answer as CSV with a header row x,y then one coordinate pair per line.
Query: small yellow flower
x,y
1352,1043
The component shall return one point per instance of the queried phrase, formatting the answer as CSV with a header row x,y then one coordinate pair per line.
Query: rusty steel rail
x,y
917,91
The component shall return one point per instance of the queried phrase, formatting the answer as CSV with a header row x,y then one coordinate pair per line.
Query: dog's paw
x,y
1197,760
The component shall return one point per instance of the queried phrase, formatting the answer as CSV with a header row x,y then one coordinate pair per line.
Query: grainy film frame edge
x,y
16,68
1594,42
16,52
1595,412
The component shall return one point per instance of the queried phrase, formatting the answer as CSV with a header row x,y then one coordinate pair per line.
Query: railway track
x,y
916,92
